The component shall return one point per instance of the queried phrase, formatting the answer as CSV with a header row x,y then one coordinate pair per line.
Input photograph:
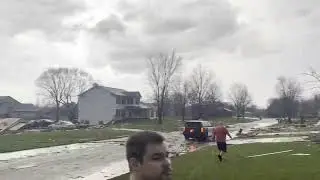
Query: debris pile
x,y
315,137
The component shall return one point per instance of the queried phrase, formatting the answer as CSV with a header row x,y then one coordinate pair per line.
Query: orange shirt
x,y
220,133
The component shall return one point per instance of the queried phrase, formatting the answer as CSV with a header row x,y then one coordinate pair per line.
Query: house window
x,y
130,100
118,112
118,100
137,101
123,101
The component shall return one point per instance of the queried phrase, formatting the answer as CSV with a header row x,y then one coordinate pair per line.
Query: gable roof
x,y
4,99
25,107
114,91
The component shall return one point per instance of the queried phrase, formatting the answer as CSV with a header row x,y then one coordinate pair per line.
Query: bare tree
x,y
240,97
162,69
289,91
315,83
180,94
62,85
204,89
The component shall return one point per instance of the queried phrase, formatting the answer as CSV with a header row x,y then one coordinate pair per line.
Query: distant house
x,y
11,108
7,105
208,111
24,111
104,104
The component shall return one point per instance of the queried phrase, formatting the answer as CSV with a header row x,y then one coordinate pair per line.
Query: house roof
x,y
115,91
25,107
7,99
4,98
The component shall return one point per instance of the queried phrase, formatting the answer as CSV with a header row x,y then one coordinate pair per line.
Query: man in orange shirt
x,y
220,135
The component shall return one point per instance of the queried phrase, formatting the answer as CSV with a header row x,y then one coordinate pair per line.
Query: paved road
x,y
67,164
75,163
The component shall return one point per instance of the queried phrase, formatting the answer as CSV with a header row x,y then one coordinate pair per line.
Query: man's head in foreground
x,y
147,156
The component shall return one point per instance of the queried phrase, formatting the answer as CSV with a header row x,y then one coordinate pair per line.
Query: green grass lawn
x,y
237,166
230,120
168,125
32,140
172,123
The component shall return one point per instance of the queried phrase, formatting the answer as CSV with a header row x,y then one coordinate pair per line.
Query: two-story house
x,y
104,104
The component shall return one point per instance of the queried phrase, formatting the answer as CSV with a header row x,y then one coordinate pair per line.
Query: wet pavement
x,y
99,160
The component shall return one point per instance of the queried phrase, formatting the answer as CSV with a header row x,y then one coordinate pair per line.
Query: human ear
x,y
134,164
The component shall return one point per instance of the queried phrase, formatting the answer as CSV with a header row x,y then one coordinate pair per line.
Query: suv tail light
x,y
202,130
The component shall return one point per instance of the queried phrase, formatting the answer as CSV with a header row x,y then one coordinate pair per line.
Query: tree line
x,y
61,86
200,87
290,103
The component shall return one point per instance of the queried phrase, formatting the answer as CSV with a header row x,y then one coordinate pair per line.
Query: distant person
x,y
220,133
147,157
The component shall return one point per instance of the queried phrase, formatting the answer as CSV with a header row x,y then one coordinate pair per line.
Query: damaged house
x,y
11,108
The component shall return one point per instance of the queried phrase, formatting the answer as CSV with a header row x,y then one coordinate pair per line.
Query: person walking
x,y
220,136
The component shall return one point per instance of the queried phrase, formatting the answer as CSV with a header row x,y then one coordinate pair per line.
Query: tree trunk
x,y
183,113
161,112
57,111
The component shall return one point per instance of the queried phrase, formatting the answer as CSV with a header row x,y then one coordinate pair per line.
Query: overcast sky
x,y
247,41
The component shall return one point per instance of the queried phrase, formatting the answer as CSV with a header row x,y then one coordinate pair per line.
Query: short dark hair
x,y
137,143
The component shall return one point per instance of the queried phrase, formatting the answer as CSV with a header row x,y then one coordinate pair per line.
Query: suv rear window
x,y
193,124
207,124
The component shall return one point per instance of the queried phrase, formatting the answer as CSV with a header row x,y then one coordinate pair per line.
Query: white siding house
x,y
96,105
105,104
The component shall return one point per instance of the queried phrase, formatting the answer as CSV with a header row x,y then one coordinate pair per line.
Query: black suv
x,y
197,129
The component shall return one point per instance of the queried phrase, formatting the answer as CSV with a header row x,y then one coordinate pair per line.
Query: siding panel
x,y
97,105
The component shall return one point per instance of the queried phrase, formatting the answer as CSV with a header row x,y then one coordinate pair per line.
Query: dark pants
x,y
222,146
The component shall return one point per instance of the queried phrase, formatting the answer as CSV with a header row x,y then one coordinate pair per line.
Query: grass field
x,y
237,166
172,124
32,140
168,125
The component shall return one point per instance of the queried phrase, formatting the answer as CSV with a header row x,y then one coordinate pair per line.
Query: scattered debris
x,y
11,124
24,166
315,137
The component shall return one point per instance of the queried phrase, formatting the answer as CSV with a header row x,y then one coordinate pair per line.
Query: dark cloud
x,y
109,24
44,15
157,26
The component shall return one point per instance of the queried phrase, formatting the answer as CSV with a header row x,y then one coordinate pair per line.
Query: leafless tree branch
x,y
240,97
203,88
162,69
62,85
